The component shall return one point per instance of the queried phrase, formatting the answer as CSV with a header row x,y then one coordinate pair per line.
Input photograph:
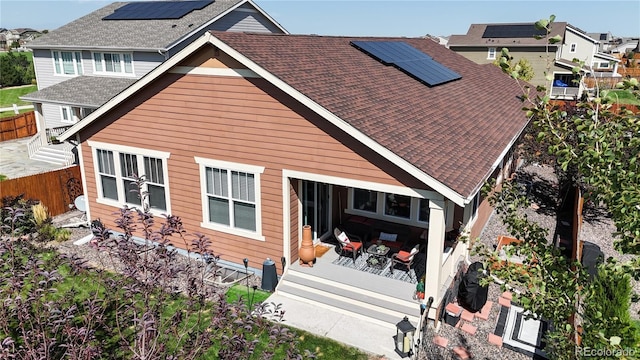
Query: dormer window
x,y
67,62
113,63
491,55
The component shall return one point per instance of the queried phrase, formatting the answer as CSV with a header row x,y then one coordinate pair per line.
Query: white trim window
x,y
231,197
66,114
491,53
113,63
67,62
389,206
573,47
116,169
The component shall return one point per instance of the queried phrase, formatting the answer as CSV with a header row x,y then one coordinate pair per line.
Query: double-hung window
x,y
66,114
118,167
67,62
491,53
113,63
231,197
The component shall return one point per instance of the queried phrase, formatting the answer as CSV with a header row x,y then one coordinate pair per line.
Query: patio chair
x,y
404,258
348,243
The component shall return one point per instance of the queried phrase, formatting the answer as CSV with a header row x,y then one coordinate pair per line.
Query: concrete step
x,y
379,308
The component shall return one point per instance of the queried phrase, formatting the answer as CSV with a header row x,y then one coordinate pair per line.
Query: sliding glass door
x,y
316,207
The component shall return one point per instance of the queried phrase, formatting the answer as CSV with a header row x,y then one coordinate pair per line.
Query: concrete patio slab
x,y
15,161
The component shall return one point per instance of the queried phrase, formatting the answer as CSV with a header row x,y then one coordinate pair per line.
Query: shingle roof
x,y
85,91
91,31
473,37
453,132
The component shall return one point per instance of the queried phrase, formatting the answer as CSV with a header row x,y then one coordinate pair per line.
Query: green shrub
x,y
606,311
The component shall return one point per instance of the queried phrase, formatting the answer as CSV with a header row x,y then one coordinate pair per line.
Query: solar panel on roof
x,y
512,31
409,60
156,10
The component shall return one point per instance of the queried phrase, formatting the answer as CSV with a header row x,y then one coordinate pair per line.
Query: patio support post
x,y
435,246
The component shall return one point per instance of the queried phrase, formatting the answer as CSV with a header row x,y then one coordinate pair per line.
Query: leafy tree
x,y
522,67
15,69
596,147
9,74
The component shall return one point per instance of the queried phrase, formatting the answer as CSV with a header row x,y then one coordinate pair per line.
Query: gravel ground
x,y
103,260
597,228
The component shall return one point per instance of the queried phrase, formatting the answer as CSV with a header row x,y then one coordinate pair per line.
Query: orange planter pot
x,y
307,252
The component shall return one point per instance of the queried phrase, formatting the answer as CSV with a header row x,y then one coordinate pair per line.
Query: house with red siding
x,y
248,137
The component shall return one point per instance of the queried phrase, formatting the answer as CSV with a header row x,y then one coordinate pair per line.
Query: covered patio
x,y
416,219
362,294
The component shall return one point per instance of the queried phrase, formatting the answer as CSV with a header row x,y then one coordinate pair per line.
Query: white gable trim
x,y
584,36
192,70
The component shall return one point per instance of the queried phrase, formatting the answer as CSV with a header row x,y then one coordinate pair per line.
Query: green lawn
x,y
622,97
10,96
28,54
76,288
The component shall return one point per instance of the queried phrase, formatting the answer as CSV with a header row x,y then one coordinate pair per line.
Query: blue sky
x,y
373,17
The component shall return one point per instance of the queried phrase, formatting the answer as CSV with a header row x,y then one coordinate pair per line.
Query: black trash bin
x,y
269,275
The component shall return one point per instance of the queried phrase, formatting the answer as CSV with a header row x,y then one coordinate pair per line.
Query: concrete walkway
x,y
364,335
15,162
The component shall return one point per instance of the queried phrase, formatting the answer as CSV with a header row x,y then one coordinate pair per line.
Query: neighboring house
x,y
84,63
484,42
442,40
605,41
10,37
27,34
625,45
247,137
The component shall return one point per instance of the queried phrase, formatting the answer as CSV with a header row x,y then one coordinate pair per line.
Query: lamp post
x,y
246,273
404,337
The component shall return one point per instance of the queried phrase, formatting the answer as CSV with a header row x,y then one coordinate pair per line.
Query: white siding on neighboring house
x,y
53,116
245,18
143,62
584,48
43,63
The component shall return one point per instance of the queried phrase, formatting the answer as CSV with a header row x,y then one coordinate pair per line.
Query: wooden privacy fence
x,y
55,189
18,126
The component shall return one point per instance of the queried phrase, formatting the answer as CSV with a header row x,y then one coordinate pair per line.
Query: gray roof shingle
x,y
90,31
85,91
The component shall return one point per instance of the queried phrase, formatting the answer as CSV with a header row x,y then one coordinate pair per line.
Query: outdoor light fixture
x,y
404,337
246,273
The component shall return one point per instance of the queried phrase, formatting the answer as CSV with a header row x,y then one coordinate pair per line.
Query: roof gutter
x,y
100,48
58,102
